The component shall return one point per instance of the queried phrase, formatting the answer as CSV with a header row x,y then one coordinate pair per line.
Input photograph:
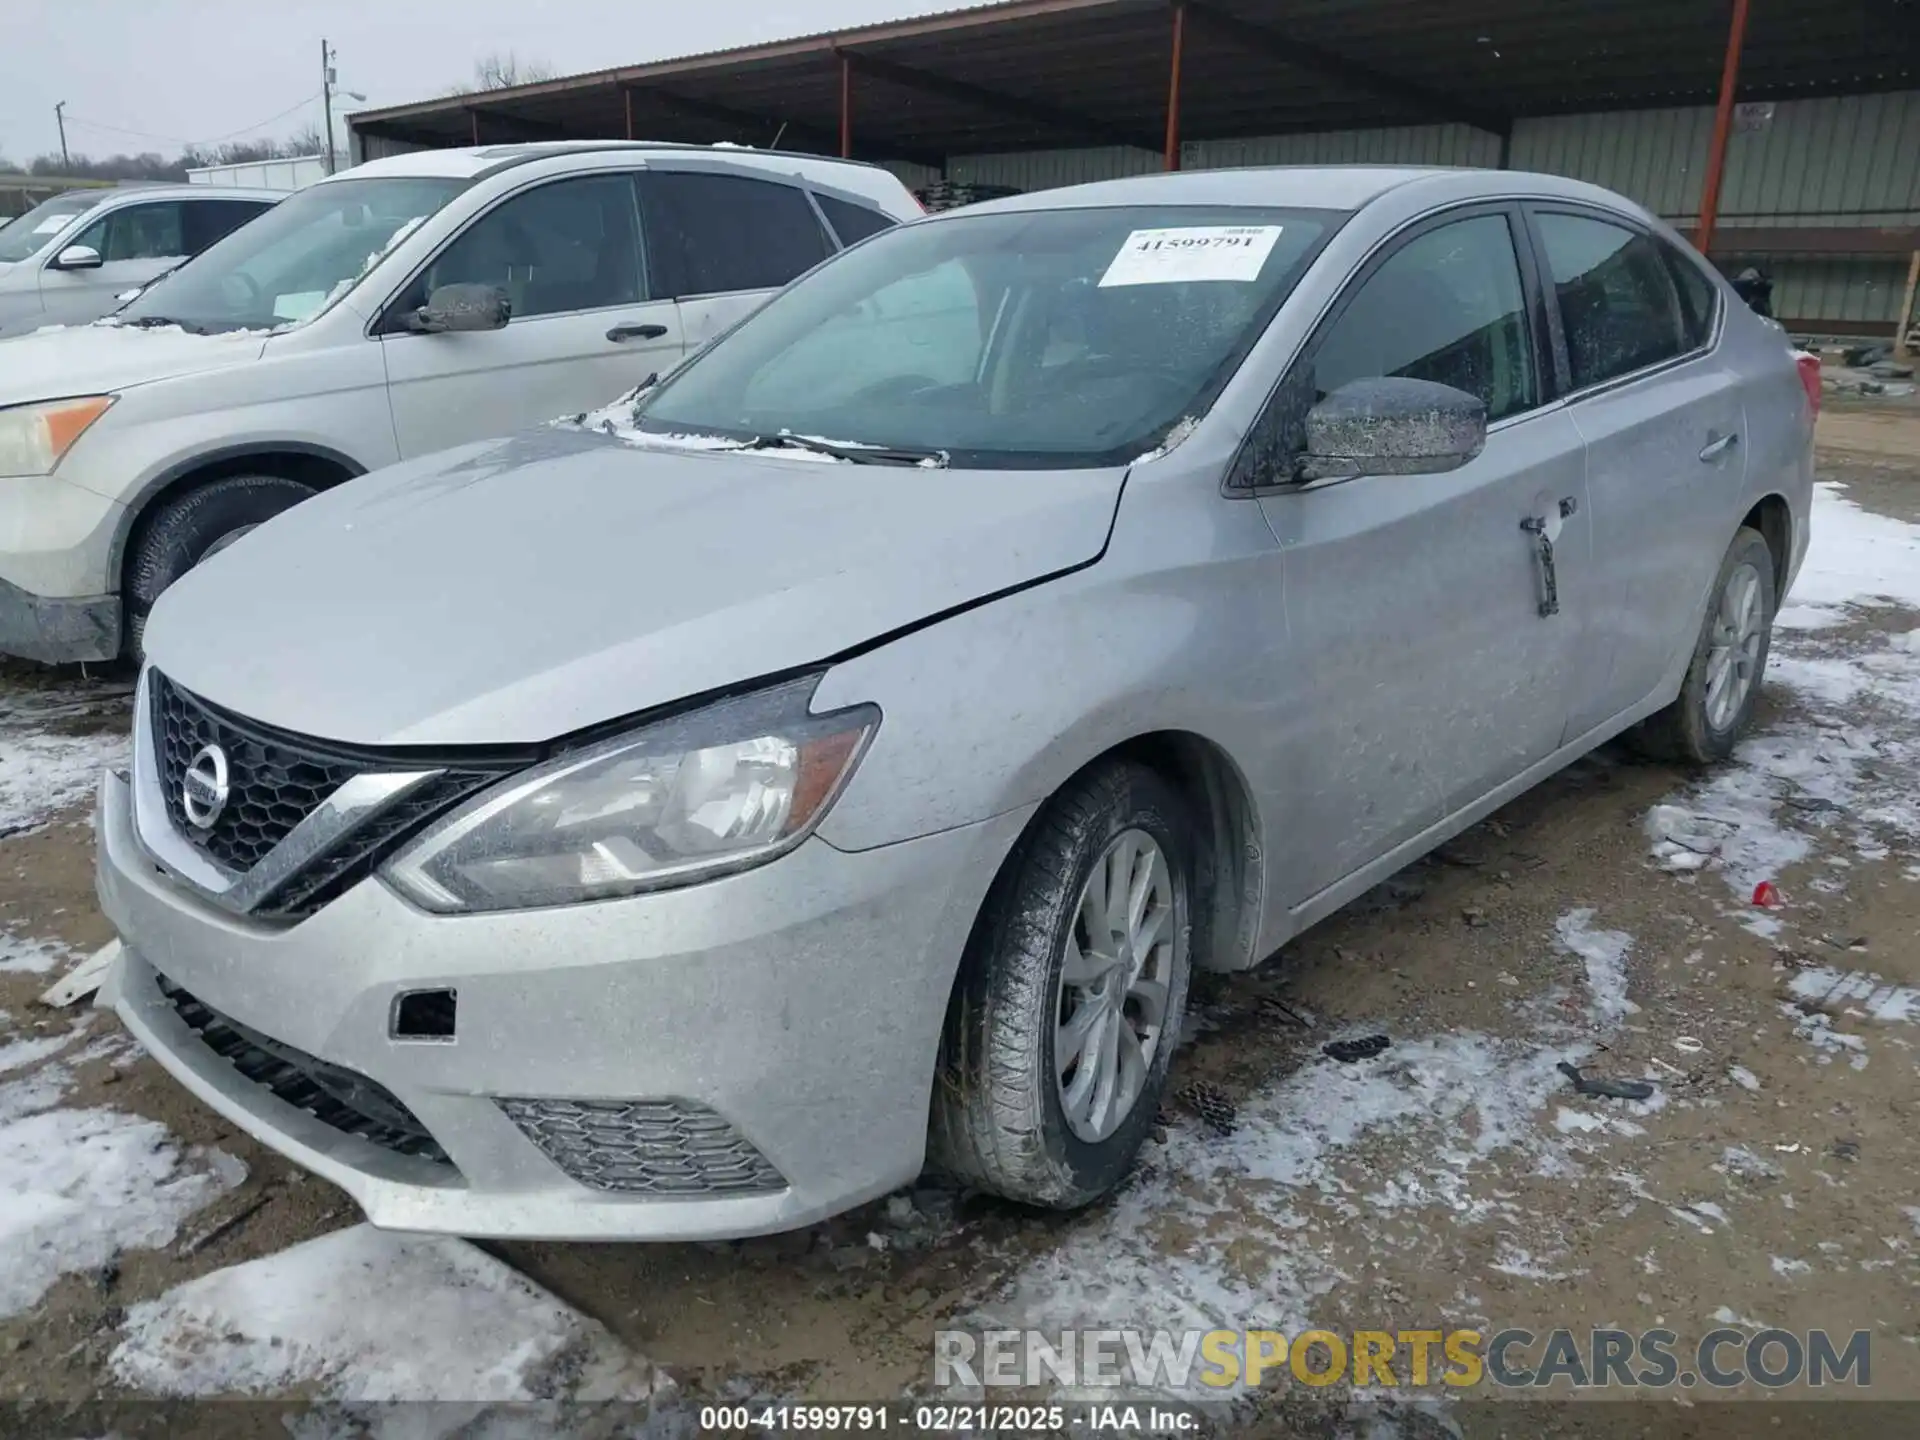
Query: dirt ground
x,y
1769,1181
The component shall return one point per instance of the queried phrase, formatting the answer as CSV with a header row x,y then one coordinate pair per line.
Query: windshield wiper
x,y
158,322
858,454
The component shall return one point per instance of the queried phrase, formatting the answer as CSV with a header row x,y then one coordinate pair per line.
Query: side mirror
x,y
78,257
462,307
1392,426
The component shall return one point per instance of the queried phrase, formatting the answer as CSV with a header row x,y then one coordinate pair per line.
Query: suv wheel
x,y
1070,996
186,530
1729,658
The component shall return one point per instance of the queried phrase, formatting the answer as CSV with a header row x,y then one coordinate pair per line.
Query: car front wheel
x,y
1071,995
185,531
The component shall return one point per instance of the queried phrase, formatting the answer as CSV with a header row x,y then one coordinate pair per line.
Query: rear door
x,y
1424,668
722,241
585,326
1662,420
135,243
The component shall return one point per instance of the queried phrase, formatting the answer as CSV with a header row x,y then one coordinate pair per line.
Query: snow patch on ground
x,y
1605,955
1856,993
368,1315
1857,557
79,1186
36,957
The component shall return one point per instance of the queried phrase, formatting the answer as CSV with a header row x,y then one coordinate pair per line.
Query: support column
x,y
846,106
1722,128
473,125
1172,157
626,99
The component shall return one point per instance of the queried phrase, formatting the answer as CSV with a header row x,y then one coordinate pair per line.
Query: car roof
x,y
1305,187
471,161
197,192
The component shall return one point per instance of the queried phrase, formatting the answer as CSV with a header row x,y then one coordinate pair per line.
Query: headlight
x,y
34,437
719,789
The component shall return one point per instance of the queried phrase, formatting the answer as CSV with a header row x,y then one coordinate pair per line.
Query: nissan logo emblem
x,y
203,793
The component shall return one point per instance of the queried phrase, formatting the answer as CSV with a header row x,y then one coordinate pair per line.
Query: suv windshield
x,y
293,261
30,233
1048,338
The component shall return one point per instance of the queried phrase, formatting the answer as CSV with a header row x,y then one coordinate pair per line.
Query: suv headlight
x,y
34,437
719,789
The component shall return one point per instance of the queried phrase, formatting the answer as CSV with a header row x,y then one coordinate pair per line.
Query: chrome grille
x,y
276,780
645,1147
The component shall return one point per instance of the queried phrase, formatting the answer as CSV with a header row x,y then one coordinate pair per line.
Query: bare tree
x,y
502,70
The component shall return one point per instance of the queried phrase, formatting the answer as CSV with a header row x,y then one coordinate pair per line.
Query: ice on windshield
x,y
1046,338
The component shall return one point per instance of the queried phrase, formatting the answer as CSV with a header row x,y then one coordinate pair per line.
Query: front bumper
x,y
56,630
801,1003
57,587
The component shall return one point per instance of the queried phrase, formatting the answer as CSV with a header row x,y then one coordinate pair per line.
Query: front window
x,y
34,231
1047,338
296,259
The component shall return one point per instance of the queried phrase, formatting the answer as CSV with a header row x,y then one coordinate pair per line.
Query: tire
x,y
1705,723
185,530
1001,1119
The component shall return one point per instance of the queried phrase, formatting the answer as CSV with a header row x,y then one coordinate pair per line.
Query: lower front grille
x,y
646,1147
332,1094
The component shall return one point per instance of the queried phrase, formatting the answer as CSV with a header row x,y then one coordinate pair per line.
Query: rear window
x,y
853,223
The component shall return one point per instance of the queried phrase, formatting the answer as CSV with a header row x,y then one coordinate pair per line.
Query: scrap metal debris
x,y
1212,1104
1606,1089
1348,1052
84,978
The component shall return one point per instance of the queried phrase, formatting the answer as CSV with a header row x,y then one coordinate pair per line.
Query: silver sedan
x,y
689,821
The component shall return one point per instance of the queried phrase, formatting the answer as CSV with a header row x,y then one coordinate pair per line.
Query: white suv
x,y
70,259
397,308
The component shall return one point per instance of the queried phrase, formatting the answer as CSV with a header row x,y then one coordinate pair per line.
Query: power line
x,y
177,140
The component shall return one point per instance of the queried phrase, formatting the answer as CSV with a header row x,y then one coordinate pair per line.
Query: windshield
x,y
294,260
28,235
1047,338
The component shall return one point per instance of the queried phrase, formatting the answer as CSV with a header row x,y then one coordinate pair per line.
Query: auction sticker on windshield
x,y
1193,252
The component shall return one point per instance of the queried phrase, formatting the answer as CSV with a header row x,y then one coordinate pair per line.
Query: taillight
x,y
1809,367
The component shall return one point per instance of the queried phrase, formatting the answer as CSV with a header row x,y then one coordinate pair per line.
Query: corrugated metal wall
x,y
1848,160
1403,145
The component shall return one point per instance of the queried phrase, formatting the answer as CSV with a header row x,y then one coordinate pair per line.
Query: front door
x,y
583,327
1427,660
135,243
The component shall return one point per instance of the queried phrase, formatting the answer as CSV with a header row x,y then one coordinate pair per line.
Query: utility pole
x,y
60,119
326,97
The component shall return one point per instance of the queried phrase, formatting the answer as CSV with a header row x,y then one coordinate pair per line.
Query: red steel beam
x,y
1722,128
1172,156
847,104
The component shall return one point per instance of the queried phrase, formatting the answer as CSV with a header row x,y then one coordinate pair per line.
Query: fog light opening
x,y
424,1015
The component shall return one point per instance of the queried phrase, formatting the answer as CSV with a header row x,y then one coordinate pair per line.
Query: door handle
x,y
1714,449
1544,529
619,334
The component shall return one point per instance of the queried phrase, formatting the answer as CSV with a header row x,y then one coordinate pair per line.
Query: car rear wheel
x,y
1729,658
1070,996
185,531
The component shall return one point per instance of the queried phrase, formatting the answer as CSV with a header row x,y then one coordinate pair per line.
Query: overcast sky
x,y
201,70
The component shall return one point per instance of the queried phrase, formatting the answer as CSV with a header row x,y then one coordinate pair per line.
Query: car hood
x,y
95,359
514,591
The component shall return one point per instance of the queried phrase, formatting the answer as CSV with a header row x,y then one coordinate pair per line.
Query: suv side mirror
x,y
78,257
1392,426
462,307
